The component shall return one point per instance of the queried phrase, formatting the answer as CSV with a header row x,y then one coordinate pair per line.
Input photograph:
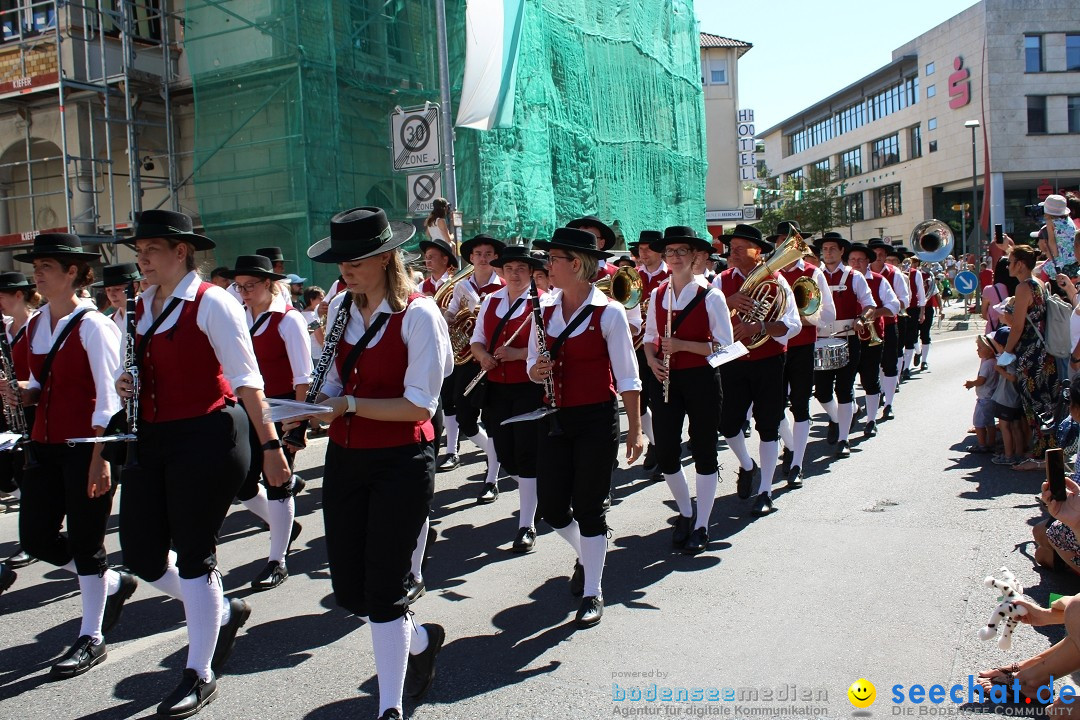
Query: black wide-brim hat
x,y
592,221
750,233
442,246
57,245
12,281
119,274
274,253
835,237
481,239
168,225
255,266
785,228
875,243
681,234
648,237
574,240
859,247
360,233
518,253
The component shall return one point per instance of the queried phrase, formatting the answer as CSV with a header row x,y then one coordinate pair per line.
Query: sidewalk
x,y
955,318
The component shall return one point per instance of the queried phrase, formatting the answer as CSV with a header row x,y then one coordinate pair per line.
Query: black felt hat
x,y
859,247
119,274
442,246
748,232
12,281
835,237
56,245
481,239
681,234
255,266
168,225
648,237
360,233
875,243
568,238
785,228
274,253
518,253
592,221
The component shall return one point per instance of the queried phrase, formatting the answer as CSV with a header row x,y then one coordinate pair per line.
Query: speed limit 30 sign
x,y
414,135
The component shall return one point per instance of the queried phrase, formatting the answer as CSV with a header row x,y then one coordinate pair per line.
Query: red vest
x,y
428,287
582,371
648,284
694,328
729,285
889,273
379,373
514,371
913,286
875,290
180,376
605,270
273,357
20,353
494,285
808,335
72,381
846,301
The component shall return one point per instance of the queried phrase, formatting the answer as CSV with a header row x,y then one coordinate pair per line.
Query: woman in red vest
x,y
194,357
74,354
280,340
589,358
380,462
500,343
700,324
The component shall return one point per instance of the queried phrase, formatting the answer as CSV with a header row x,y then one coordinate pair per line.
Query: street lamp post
x,y
975,238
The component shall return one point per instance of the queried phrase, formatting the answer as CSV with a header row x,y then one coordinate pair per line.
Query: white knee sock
x,y
482,441
785,433
872,402
112,581
419,641
452,433
888,388
750,412
571,534
418,552
802,433
830,408
768,452
282,513
526,502
844,414
594,553
647,427
92,590
202,608
493,464
706,496
169,583
908,355
390,641
925,352
260,505
676,482
70,567
738,446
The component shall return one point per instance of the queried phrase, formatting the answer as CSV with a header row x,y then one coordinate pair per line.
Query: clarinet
x,y
297,437
554,430
15,414
131,367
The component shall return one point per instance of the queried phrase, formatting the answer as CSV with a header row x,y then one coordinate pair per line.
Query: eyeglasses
x,y
561,257
673,252
248,287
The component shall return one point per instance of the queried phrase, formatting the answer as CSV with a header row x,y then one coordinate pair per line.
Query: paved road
x,y
872,570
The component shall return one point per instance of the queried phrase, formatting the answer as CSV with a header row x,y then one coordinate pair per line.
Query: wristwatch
x,y
350,405
274,444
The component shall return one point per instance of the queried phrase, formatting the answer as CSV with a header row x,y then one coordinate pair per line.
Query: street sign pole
x,y
449,169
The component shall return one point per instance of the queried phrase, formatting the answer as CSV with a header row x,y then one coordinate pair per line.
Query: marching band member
x,y
194,352
540,274
887,263
605,241
509,391
441,264
916,312
700,322
756,380
380,461
280,340
887,306
933,304
591,359
115,280
73,353
277,260
460,413
653,271
851,296
799,362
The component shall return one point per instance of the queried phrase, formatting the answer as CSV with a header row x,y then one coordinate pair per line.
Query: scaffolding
x,y
88,88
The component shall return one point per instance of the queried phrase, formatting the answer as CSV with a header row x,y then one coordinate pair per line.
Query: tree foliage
x,y
816,202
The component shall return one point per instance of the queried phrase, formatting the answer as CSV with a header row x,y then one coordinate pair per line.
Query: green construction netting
x,y
293,99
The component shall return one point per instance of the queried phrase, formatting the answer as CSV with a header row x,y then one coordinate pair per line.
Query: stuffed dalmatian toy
x,y
1007,610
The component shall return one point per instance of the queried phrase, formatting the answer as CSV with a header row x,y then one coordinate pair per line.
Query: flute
x,y
667,355
480,376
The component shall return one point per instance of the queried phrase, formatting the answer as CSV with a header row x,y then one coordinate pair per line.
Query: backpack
x,y
1058,340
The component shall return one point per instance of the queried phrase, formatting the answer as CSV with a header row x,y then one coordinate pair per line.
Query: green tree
x,y
815,202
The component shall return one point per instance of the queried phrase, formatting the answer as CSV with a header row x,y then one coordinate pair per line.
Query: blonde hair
x,y
398,285
589,265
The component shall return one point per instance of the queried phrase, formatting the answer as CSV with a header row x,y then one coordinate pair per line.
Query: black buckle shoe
x,y
833,433
785,461
82,656
762,505
114,604
924,367
590,612
842,449
190,696
577,580
293,534
744,481
794,478
869,430
524,541
296,486
682,530
906,375
450,462
20,560
414,589
650,461
918,357
270,576
7,577
699,540
420,672
391,714
489,495
886,412
239,612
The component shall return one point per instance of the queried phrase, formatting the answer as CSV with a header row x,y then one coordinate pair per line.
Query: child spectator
x,y
1006,399
984,383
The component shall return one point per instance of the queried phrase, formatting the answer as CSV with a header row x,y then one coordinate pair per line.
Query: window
x,y
887,200
852,209
931,124
929,68
886,151
916,142
851,163
716,73
1072,52
933,146
1036,114
1033,53
931,91
1074,113
22,18
822,165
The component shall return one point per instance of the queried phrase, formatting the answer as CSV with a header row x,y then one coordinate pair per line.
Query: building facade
x,y
999,82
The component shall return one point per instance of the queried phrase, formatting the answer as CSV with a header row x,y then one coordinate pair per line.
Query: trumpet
x,y
865,328
807,298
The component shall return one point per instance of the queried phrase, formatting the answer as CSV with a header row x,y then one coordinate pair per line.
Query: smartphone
x,y
1055,473
999,234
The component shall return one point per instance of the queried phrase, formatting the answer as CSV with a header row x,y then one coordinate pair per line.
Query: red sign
x,y
959,85
1045,190
28,84
26,238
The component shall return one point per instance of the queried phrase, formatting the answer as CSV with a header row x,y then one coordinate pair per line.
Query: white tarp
x,y
492,36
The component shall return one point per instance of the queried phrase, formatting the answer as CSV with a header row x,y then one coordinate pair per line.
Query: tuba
x,y
460,326
931,240
767,294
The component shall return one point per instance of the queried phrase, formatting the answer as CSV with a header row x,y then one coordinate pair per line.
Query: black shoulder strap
x,y
20,333
354,354
145,339
586,312
502,323
698,297
72,324
259,323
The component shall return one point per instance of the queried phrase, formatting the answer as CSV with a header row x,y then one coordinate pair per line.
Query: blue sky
x,y
805,51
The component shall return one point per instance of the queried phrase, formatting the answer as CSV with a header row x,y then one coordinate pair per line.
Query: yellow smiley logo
x,y
862,693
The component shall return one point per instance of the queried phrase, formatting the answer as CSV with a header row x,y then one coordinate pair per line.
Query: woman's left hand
x,y
99,481
635,445
339,405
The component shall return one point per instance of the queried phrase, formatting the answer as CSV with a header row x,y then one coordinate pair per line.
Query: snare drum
x,y
830,353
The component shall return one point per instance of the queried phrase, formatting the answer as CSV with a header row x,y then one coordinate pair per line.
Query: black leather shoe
x,y
833,433
842,449
590,612
114,604
577,580
918,357
450,462
869,430
391,714
270,576
190,696
420,671
906,375
746,430
293,534
524,541
297,485
7,577
239,612
20,560
794,478
699,540
682,530
414,589
82,656
886,412
923,368
489,495
762,505
744,482
785,461
650,461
